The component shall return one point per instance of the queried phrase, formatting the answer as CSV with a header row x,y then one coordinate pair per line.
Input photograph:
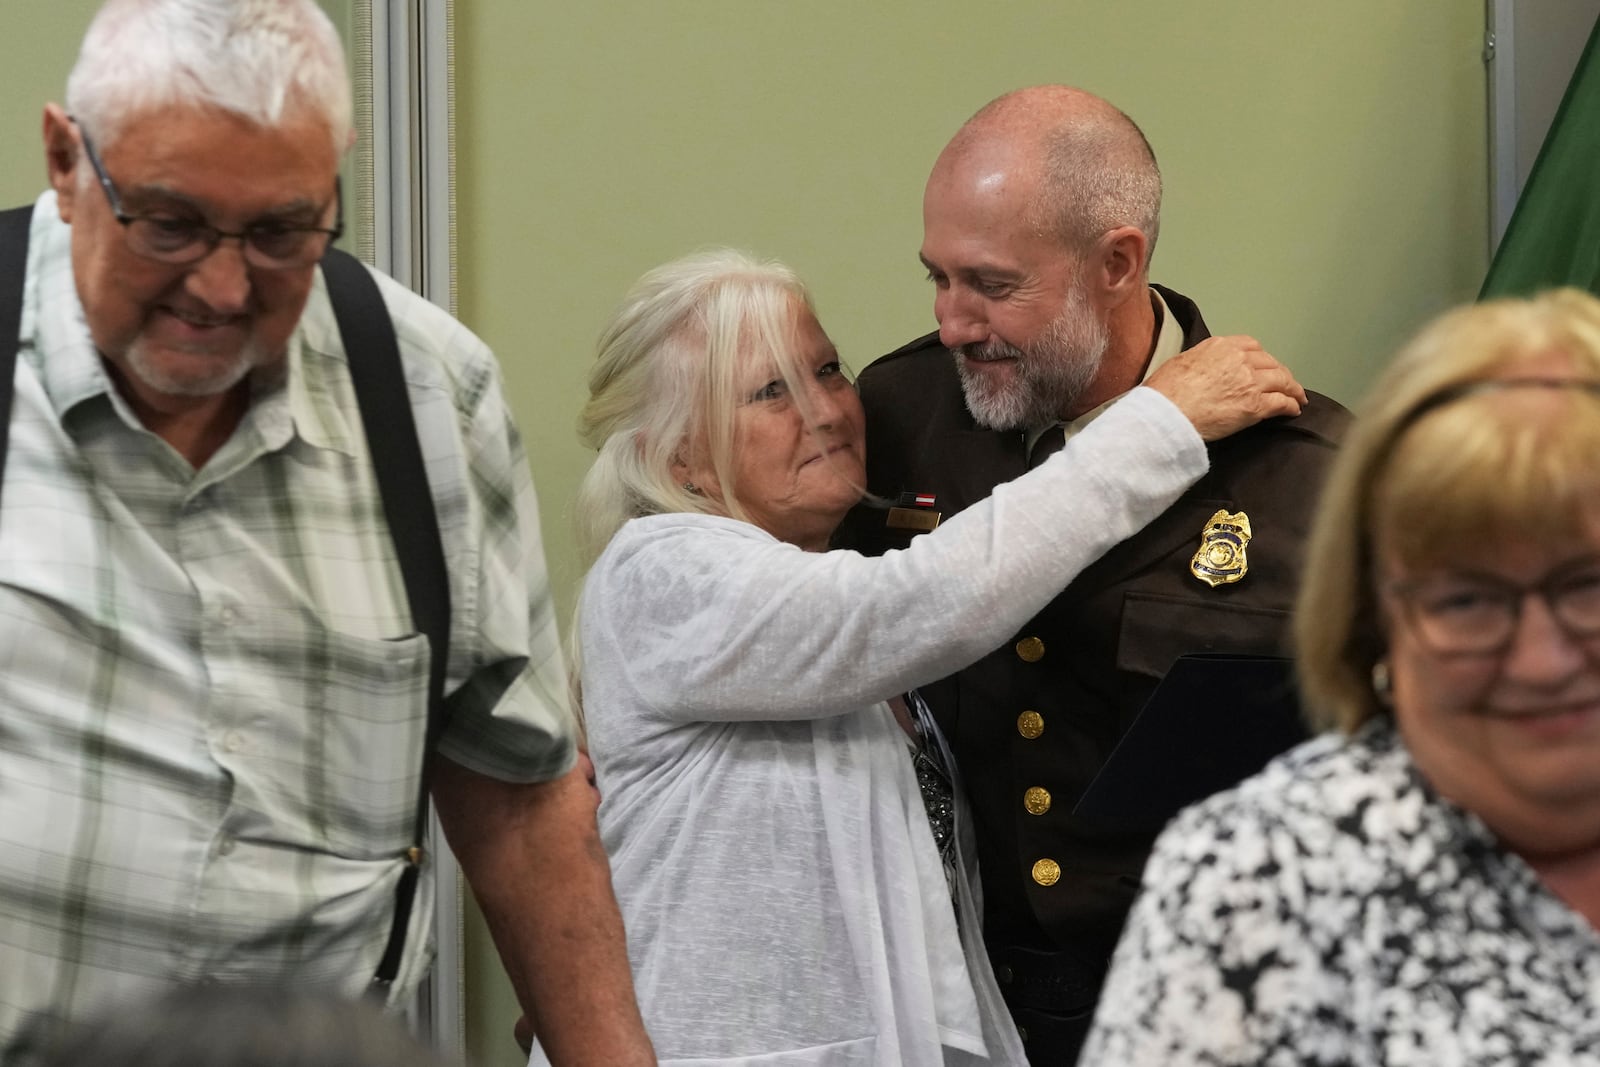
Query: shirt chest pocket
x,y
354,770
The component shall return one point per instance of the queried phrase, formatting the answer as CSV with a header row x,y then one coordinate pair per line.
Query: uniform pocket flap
x,y
1157,629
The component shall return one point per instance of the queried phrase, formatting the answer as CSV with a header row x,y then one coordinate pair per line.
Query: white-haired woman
x,y
786,880
1422,884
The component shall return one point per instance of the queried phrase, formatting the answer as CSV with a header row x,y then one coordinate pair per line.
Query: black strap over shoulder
x,y
379,378
380,384
14,226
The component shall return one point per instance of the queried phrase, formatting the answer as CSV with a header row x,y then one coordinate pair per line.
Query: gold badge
x,y
1220,559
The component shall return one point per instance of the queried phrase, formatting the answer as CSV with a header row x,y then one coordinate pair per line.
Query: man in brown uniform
x,y
1039,220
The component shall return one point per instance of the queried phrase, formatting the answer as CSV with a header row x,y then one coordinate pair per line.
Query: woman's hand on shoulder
x,y
1225,384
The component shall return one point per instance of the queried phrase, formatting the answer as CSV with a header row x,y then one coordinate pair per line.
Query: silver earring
x,y
690,487
1380,681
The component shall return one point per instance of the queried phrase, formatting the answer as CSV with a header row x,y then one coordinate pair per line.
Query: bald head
x,y
1071,162
1037,225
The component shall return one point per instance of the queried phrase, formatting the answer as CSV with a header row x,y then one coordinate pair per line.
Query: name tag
x,y
920,520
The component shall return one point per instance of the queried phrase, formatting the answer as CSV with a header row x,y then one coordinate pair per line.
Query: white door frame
x,y
412,239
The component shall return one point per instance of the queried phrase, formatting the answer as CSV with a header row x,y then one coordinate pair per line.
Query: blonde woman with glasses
x,y
1421,885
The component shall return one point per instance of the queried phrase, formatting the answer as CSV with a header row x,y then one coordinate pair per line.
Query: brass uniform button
x,y
1030,724
1036,800
1030,650
1047,872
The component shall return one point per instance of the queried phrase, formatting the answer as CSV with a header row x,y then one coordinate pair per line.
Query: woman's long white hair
x,y
667,372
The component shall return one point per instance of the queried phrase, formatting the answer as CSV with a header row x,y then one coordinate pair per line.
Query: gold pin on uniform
x,y
1220,559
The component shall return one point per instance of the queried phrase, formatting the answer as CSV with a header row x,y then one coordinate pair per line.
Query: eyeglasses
x,y
1478,615
178,240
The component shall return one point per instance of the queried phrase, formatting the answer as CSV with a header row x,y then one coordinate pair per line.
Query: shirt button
x,y
1030,650
225,846
227,616
1003,974
234,741
1047,872
1036,800
1022,1032
1030,724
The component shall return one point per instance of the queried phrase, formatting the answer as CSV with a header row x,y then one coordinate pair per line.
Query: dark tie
x,y
1049,443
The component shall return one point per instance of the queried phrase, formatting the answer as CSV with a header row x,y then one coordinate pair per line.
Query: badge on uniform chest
x,y
1220,559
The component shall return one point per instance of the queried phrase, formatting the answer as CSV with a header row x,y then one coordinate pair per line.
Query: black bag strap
x,y
14,226
380,385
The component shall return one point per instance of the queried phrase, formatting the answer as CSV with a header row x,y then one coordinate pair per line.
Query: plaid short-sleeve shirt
x,y
213,696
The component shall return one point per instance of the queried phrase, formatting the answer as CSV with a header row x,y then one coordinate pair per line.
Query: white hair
x,y
261,59
665,380
666,373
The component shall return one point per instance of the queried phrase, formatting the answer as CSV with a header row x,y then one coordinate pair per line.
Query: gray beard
x,y
221,373
1053,370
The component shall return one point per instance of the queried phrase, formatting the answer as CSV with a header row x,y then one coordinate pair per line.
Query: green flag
x,y
1554,234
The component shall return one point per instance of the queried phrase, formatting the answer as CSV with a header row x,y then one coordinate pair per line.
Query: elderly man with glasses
x,y
226,676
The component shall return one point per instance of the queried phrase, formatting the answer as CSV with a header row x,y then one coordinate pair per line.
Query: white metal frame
x,y
1500,55
413,200
413,234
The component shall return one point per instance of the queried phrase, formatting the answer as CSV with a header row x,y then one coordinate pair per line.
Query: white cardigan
x,y
783,898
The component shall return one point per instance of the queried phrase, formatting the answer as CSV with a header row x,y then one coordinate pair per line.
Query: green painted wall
x,y
1325,169
1325,165
37,50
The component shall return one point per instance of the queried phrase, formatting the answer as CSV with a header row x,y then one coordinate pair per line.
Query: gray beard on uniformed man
x,y
1052,371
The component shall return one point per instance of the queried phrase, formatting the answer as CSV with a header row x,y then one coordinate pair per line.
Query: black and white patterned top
x,y
1334,910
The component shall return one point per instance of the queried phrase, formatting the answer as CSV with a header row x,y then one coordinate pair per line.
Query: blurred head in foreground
x,y
242,1026
1453,579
